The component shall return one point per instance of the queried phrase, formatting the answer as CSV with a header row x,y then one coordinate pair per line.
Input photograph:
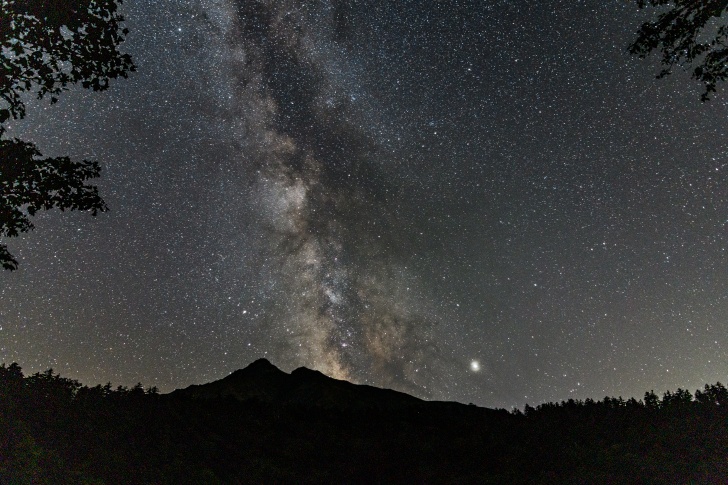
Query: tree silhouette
x,y
45,47
56,430
689,35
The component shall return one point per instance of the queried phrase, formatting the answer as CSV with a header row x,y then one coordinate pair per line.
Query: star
x,y
386,207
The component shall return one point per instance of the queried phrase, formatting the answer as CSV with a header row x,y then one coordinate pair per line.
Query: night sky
x,y
481,201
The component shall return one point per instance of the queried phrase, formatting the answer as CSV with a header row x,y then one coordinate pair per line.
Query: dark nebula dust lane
x,y
331,207
484,201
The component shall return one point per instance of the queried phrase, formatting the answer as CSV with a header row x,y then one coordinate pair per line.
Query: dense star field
x,y
481,201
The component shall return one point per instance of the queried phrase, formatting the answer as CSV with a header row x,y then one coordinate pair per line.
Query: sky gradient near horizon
x,y
481,201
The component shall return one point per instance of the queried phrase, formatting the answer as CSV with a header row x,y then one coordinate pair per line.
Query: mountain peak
x,y
264,382
261,364
306,372
259,369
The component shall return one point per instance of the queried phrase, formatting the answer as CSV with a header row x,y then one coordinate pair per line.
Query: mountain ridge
x,y
264,382
304,427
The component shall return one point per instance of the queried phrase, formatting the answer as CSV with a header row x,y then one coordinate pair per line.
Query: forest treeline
x,y
54,430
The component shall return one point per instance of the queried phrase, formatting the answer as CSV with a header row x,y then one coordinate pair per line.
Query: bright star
x,y
475,366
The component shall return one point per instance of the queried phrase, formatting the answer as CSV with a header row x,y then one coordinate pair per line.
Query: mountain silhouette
x,y
263,425
264,382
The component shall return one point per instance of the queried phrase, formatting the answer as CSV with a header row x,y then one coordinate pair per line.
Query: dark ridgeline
x,y
260,424
308,388
263,381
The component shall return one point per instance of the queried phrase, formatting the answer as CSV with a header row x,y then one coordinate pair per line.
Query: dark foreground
x,y
307,428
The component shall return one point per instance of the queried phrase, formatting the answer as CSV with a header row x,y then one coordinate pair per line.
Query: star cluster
x,y
490,202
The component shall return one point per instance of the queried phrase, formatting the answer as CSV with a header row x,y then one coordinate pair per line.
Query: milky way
x,y
490,202
322,182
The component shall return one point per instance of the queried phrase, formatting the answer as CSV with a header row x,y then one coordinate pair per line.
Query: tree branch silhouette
x,y
46,47
690,35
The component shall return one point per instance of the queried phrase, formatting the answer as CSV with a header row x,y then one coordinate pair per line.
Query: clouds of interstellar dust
x,y
326,202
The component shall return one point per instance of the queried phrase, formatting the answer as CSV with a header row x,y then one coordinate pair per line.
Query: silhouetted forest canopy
x,y
54,430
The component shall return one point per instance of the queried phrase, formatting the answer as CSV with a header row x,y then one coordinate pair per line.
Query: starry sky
x,y
481,201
